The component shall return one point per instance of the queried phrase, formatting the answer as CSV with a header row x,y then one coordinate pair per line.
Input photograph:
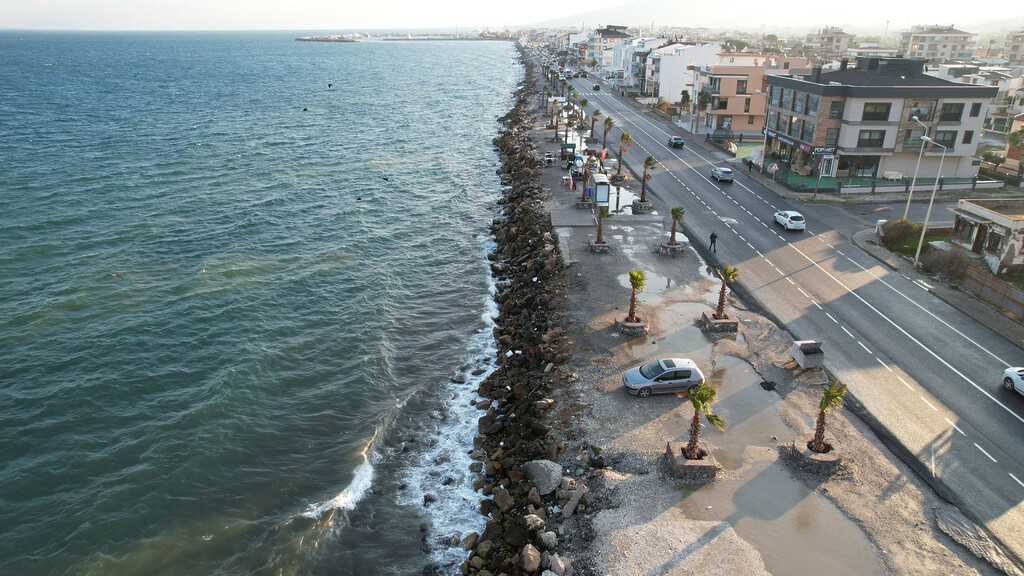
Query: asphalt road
x,y
926,374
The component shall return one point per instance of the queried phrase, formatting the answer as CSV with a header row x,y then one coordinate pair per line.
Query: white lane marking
x,y
848,332
816,304
802,292
905,383
790,280
985,453
908,335
962,433
769,263
1015,479
930,405
864,347
832,318
781,273
884,365
751,245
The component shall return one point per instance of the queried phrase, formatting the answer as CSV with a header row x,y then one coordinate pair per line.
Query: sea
x,y
244,300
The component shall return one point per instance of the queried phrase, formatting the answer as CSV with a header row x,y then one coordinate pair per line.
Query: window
x,y
812,104
871,138
975,110
771,120
912,139
750,119
831,136
946,137
951,112
787,99
777,96
746,105
836,111
968,136
741,86
807,134
878,111
798,102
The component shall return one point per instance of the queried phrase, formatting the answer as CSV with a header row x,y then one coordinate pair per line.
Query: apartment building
x,y
624,68
860,121
829,40
937,43
736,85
1014,47
601,44
670,69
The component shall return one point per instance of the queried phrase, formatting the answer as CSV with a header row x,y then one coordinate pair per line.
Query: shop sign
x,y
780,137
805,147
824,150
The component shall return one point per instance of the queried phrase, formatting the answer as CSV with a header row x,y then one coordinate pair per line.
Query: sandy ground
x,y
763,515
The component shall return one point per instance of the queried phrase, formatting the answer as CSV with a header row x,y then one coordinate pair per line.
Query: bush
x,y
896,233
952,263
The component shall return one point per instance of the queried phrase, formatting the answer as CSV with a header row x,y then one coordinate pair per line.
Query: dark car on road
x,y
676,141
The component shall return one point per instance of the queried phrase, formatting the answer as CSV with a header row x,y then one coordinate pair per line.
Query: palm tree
x,y
608,123
637,281
584,102
832,399
702,399
649,164
677,216
684,100
1016,140
569,123
602,213
625,140
554,106
593,118
730,274
587,174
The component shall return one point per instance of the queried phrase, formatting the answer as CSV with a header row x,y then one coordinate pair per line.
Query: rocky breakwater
x,y
521,484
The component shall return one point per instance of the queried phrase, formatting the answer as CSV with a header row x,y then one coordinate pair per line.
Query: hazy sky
x,y
493,14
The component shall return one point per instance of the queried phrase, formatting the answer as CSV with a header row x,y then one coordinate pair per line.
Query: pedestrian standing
x,y
750,166
714,237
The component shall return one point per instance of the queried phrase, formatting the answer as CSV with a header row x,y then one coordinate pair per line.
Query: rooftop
x,y
873,71
1012,208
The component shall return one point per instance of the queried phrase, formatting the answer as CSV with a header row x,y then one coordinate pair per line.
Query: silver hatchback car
x,y
664,376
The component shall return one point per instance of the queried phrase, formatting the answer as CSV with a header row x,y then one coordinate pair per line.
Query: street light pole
x,y
916,168
935,189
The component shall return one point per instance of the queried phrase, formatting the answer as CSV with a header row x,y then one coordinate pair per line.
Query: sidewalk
x,y
982,313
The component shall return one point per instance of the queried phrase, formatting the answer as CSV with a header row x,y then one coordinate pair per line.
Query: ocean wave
x,y
362,481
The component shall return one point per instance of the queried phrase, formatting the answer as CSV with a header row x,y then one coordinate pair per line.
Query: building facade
x,y
669,69
829,40
991,228
736,86
937,43
1014,47
600,46
859,122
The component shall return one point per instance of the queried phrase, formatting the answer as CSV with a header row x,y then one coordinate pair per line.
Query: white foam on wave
x,y
362,481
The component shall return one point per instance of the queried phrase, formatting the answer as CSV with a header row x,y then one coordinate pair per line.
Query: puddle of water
x,y
688,342
749,409
656,284
796,531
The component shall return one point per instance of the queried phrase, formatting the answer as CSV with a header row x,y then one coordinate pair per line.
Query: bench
x,y
892,175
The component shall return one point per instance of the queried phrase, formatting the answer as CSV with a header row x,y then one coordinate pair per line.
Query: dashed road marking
x,y
962,433
986,453
930,405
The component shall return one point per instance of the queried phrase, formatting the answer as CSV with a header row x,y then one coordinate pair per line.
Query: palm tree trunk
x,y
818,443
691,450
720,311
631,317
672,239
600,234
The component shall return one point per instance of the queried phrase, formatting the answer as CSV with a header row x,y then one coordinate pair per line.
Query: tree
x,y
588,169
637,281
677,216
730,274
569,123
649,164
703,100
831,400
625,140
684,100
602,213
702,398
554,107
608,123
1016,140
584,102
593,118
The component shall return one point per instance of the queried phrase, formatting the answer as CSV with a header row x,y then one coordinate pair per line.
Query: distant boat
x,y
325,39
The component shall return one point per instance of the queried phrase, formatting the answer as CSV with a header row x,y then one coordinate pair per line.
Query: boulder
x,y
545,475
529,560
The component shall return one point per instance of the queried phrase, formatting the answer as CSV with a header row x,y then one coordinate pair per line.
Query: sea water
x,y
241,278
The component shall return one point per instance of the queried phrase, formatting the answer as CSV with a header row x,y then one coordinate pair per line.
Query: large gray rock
x,y
545,475
530,559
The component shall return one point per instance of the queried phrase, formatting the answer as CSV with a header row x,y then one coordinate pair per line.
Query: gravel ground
x,y
636,516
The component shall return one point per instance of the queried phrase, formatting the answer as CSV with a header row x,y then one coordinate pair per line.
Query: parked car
x,y
1013,379
663,376
721,174
583,73
597,87
676,141
790,220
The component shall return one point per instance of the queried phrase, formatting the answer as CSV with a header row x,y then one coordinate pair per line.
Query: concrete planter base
x,y
642,207
585,204
602,248
826,463
715,325
631,328
701,471
672,249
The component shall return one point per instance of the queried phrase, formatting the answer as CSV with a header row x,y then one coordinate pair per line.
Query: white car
x,y
721,174
1013,379
790,220
664,376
